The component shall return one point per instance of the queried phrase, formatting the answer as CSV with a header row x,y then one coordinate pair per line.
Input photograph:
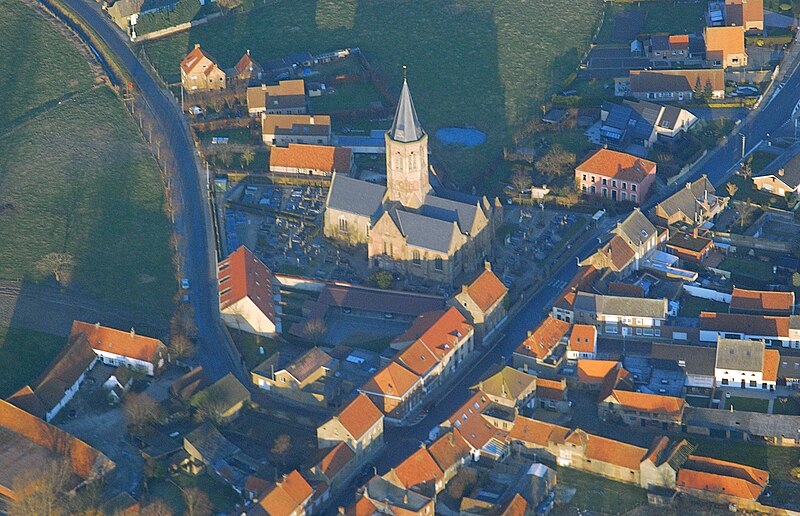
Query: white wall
x,y
707,293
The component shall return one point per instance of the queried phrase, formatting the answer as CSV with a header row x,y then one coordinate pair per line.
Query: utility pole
x,y
743,151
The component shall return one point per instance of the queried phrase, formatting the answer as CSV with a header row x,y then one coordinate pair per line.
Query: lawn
x,y
23,356
221,496
470,63
51,69
599,494
746,190
789,405
692,306
346,96
676,18
747,404
249,346
746,267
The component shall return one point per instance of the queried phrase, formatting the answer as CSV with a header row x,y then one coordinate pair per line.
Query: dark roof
x,y
740,355
687,241
309,362
211,444
355,196
187,385
406,127
619,305
425,232
754,423
695,360
373,300
450,211
786,168
228,391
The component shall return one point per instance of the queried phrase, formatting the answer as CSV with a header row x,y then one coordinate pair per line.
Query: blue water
x,y
468,137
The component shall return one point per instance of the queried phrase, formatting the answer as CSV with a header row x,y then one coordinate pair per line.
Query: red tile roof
x,y
445,333
246,63
123,343
335,460
469,420
769,369
619,165
582,280
720,484
544,338
242,275
533,431
761,300
419,326
731,469
419,469
583,338
486,290
194,57
614,452
766,325
359,415
653,403
313,157
392,380
596,371
551,389
449,449
516,507
418,358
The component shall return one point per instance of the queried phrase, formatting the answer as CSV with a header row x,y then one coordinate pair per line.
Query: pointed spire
x,y
406,127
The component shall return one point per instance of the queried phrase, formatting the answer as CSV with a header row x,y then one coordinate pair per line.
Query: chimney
x,y
688,185
197,45
780,172
487,265
97,324
133,332
248,51
263,87
311,119
405,498
530,332
694,232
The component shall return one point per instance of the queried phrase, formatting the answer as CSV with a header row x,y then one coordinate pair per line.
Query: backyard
x,y
75,177
599,494
471,63
23,356
624,21
747,404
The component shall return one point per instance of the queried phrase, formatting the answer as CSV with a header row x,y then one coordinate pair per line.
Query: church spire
x,y
406,127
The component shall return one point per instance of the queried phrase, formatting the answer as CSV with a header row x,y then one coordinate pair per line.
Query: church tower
x,y
407,178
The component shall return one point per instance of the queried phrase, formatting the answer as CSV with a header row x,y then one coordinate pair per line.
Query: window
x,y
614,183
593,179
604,192
416,259
438,264
584,177
624,185
605,181
633,197
633,187
343,224
624,196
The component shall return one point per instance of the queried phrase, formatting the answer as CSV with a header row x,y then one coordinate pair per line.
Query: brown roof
x,y
740,12
725,40
190,383
359,415
449,449
614,452
272,123
516,507
392,380
313,157
722,477
583,338
772,358
242,275
308,363
766,325
195,57
544,338
420,469
654,403
486,290
508,383
643,81
123,343
613,164
336,459
369,299
616,288
551,389
679,41
533,431
762,300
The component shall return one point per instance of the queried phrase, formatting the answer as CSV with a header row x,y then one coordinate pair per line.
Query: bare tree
x,y
282,444
225,157
183,322
209,407
747,168
557,162
157,507
58,264
140,409
745,210
247,157
315,329
40,490
196,502
181,347
732,189
521,180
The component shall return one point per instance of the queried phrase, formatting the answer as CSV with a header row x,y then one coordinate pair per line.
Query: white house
x,y
783,331
746,364
124,348
582,342
629,316
247,301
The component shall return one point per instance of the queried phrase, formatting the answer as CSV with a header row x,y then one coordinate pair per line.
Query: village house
x,y
600,456
663,461
642,409
748,14
359,425
689,247
479,429
602,376
618,315
312,160
746,364
722,482
123,348
29,443
552,395
642,123
582,342
451,452
227,396
483,303
672,49
761,302
247,298
336,467
207,450
545,348
631,240
59,382
780,177
770,329
615,175
284,130
200,72
395,390
304,380
247,69
290,496
672,85
697,363
725,46
694,205
284,98
509,387
418,472
582,281
379,496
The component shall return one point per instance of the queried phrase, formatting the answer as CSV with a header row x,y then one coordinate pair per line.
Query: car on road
x,y
185,283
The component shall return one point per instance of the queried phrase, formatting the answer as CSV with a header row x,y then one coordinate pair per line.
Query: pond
x,y
460,135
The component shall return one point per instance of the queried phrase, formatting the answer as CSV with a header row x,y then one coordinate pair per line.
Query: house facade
x,y
312,160
544,350
615,175
284,130
641,409
483,303
395,390
200,72
746,364
582,342
123,348
359,425
618,315
247,297
284,98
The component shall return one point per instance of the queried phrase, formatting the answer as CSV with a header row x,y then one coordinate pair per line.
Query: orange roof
x,y
679,41
195,57
614,452
297,487
419,468
769,369
581,281
313,157
533,431
486,290
363,507
766,325
117,342
257,485
732,469
271,123
721,484
359,415
242,275
613,164
649,402
418,358
725,40
286,88
544,338
742,299
551,389
419,326
246,63
583,338
469,420
596,371
516,507
449,449
443,335
336,459
393,380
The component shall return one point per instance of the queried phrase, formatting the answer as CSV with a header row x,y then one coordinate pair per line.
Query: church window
x,y
343,224
416,258
438,264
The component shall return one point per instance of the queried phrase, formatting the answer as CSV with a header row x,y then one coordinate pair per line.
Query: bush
x,y
381,279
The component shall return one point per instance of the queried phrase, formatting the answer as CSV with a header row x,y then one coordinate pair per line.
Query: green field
x,y
23,356
601,495
676,18
470,63
75,175
747,404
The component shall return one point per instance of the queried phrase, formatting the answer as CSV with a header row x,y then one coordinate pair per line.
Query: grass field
x,y
747,404
222,497
677,18
599,494
76,173
692,306
23,356
470,63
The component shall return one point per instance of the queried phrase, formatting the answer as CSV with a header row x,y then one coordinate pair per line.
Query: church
x,y
411,226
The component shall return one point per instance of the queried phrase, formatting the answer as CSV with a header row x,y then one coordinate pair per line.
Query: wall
x,y
707,293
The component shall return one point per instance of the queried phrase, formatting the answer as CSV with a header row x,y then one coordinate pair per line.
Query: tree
x,y
229,5
247,157
196,502
181,347
182,322
140,409
225,157
40,490
747,168
58,264
315,329
796,280
282,445
521,180
745,210
157,507
556,163
209,406
732,189
381,279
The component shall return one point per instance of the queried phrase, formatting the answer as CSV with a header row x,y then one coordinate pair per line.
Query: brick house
x,y
359,425
247,298
638,408
483,302
545,348
200,72
395,390
762,302
671,85
314,160
615,175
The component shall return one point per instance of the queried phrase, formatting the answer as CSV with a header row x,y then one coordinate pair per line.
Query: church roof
x,y
355,196
425,232
450,211
406,127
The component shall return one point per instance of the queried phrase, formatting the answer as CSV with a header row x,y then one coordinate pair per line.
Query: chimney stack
x,y
694,232
97,324
487,265
197,45
133,332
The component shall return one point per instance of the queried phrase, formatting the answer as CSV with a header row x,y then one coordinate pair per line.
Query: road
x,y
194,222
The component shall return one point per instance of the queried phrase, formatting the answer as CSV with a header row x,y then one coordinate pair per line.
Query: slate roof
x,y
622,306
450,211
296,124
753,423
405,127
308,362
355,196
211,444
695,360
740,355
691,201
645,81
766,325
786,168
227,391
426,232
636,228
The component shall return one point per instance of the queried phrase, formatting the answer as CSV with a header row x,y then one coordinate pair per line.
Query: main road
x,y
194,219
